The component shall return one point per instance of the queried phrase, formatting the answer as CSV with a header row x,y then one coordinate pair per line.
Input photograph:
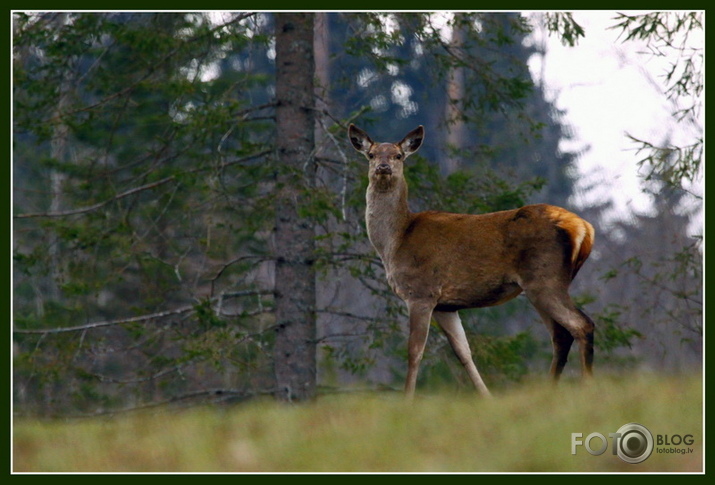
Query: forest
x,y
188,213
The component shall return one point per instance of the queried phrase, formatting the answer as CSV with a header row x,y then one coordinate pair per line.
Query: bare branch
x,y
349,315
98,205
137,319
107,323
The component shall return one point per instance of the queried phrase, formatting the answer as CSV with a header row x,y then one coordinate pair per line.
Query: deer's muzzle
x,y
383,169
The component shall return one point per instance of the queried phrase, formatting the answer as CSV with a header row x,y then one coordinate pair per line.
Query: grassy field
x,y
524,429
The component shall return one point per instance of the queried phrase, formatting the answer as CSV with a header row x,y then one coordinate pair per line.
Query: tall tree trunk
x,y
321,50
294,241
58,151
456,93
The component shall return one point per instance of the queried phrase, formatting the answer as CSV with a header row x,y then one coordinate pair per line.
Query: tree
x,y
203,238
294,236
669,34
163,230
654,291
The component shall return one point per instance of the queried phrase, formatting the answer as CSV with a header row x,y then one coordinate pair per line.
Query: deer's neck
x,y
387,217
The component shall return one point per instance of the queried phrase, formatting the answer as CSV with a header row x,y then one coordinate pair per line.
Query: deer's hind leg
x,y
566,323
561,340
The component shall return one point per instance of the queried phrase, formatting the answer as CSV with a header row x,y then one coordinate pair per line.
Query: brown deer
x,y
440,262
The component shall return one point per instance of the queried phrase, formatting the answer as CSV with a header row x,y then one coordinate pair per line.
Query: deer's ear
x,y
359,139
412,141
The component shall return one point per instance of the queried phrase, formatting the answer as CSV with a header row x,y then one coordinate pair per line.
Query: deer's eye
x,y
398,156
370,156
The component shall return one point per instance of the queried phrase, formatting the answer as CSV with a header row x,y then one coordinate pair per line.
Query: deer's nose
x,y
383,168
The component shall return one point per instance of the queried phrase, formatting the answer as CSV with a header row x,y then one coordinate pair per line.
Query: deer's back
x,y
464,260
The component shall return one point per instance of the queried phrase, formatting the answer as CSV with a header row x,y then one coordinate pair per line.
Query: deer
x,y
439,263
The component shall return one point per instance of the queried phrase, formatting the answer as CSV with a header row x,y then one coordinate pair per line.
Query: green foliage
x,y
471,192
563,24
671,34
612,334
206,316
145,185
152,182
504,359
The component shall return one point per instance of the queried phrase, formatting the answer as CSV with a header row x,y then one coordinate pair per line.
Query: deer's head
x,y
386,159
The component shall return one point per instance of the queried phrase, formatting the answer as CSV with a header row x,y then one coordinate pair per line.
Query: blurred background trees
x,y
159,212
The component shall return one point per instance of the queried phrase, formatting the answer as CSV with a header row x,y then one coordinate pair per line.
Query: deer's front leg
x,y
420,315
452,326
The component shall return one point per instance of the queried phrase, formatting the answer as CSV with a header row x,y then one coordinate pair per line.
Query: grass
x,y
524,429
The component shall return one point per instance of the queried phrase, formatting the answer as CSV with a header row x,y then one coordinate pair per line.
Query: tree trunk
x,y
58,151
456,93
294,241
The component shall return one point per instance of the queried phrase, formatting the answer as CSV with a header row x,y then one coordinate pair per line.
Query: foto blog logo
x,y
633,443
